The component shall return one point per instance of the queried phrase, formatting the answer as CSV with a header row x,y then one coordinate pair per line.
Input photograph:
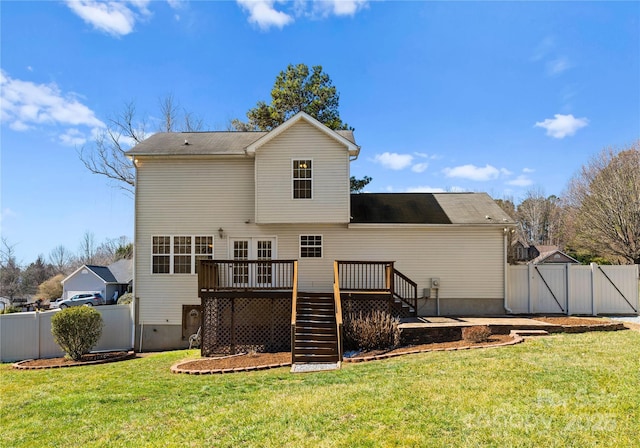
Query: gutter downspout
x,y
506,274
134,300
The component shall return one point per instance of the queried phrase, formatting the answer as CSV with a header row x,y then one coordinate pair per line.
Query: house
x,y
552,255
107,280
525,253
285,195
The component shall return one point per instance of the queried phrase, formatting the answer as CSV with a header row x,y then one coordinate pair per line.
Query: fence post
x,y
593,289
529,288
38,331
567,266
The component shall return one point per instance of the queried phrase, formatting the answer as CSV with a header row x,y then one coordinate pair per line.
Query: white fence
x,y
28,335
572,289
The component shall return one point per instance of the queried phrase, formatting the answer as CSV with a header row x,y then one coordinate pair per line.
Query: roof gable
x,y
119,272
340,137
553,256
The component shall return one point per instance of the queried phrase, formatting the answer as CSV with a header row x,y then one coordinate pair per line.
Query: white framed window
x,y
179,254
310,246
302,178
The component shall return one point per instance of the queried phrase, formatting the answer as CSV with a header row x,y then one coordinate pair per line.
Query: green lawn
x,y
563,390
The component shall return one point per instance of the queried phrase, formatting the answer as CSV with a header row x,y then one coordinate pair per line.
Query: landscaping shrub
x,y
125,299
478,333
77,330
371,331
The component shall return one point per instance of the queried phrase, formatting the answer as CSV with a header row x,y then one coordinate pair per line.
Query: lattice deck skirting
x,y
242,324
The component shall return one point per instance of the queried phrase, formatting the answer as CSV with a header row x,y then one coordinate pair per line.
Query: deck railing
x,y
405,289
338,307
377,277
369,276
242,275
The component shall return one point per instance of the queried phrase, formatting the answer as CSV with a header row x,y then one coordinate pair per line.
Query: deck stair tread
x,y
315,338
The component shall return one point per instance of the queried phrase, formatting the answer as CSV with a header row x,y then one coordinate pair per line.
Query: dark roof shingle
x,y
426,208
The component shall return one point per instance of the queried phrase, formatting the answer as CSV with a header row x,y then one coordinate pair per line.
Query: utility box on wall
x,y
435,282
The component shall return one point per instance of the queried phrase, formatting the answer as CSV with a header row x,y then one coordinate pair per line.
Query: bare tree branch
x,y
107,155
605,197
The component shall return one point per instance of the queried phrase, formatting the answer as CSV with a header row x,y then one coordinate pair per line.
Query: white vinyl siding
x,y
199,195
274,198
190,196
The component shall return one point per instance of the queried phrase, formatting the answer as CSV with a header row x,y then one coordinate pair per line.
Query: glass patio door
x,y
248,275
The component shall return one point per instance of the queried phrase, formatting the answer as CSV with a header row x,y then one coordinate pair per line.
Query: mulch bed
x,y
571,321
88,359
261,361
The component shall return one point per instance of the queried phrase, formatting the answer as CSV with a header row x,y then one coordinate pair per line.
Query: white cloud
x,y
528,170
117,18
263,14
473,172
176,4
338,7
562,126
419,167
72,137
520,181
25,105
558,66
393,161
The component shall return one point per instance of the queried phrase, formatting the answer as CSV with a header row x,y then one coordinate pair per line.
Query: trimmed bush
x,y
477,333
376,330
125,299
77,330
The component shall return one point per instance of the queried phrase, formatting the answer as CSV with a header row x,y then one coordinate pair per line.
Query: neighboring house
x,y
285,194
552,255
524,253
107,280
521,251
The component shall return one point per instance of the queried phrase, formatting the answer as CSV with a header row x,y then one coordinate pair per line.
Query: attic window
x,y
302,179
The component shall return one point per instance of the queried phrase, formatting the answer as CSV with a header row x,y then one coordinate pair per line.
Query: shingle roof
x,y
203,143
103,272
426,208
119,272
122,270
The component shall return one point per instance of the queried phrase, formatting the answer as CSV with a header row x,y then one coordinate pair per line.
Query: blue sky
x,y
499,97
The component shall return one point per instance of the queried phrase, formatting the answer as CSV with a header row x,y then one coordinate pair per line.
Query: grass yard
x,y
563,390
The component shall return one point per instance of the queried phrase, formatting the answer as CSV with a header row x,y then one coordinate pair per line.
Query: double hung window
x,y
302,175
179,254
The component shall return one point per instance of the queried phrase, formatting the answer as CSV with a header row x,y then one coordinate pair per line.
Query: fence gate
x,y
573,289
615,290
549,289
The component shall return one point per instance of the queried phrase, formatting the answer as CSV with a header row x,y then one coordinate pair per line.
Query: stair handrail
x,y
405,283
338,308
294,314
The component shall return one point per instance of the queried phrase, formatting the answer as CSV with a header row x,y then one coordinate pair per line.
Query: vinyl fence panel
x,y
573,289
518,290
28,335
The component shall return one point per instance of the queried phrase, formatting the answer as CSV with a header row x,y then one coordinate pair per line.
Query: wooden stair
x,y
315,338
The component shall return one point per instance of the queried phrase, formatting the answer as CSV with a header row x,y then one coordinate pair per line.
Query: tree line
x,y
597,218
42,277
